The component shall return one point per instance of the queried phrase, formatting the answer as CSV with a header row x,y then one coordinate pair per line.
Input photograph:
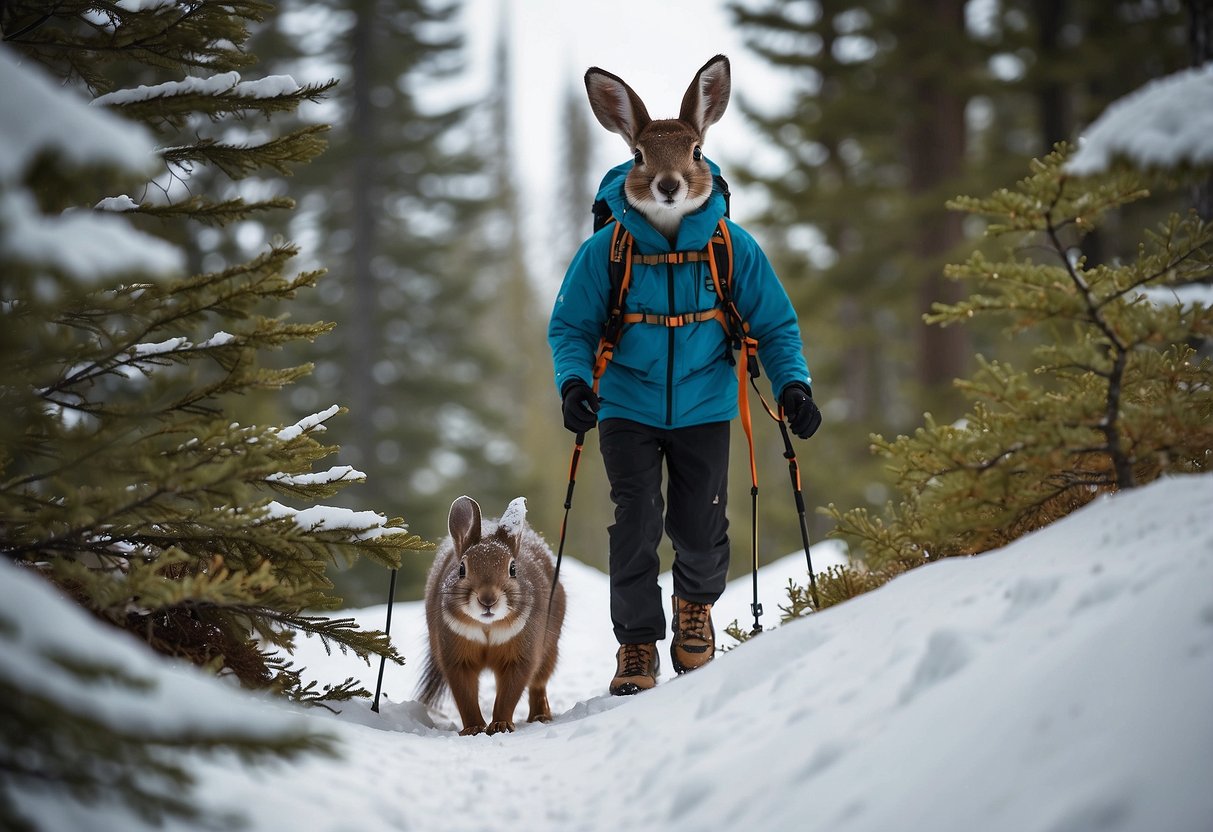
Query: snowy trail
x,y
1064,684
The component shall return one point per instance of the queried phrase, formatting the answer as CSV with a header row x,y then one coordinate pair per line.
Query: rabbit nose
x,y
488,602
669,185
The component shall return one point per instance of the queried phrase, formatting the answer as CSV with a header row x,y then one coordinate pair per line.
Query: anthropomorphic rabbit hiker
x,y
665,391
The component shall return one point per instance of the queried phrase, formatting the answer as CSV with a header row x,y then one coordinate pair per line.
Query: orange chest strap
x,y
718,254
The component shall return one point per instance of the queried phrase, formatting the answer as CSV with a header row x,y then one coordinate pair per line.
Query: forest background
x,y
859,121
863,120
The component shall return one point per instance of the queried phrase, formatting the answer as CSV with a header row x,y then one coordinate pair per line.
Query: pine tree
x,y
856,223
123,475
1117,397
404,211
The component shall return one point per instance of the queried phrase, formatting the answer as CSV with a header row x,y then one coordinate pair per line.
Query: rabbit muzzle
x,y
666,189
487,606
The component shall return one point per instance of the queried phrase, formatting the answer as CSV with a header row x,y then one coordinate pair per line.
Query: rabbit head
x,y
670,177
484,580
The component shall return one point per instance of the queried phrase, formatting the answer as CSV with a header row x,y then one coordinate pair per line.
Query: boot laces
x,y
693,620
635,659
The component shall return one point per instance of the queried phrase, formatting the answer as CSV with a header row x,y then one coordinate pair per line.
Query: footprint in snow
x,y
948,652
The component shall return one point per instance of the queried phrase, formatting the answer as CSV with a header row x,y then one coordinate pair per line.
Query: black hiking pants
x,y
697,459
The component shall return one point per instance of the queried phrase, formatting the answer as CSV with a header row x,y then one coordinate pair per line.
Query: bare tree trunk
x,y
360,329
936,156
1056,113
1200,38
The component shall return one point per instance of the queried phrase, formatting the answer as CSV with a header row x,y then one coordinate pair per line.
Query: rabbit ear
x,y
464,523
512,523
618,108
708,95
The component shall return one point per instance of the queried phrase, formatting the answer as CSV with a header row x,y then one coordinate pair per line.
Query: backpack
x,y
718,254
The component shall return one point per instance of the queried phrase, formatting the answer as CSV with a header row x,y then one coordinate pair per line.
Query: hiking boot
x,y
694,642
636,669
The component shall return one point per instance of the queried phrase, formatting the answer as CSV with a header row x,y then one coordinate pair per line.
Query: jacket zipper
x,y
669,371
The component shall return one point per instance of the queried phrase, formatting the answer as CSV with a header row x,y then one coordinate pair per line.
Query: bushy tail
x,y
433,684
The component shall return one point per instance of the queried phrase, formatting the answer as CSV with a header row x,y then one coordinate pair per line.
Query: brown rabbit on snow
x,y
486,607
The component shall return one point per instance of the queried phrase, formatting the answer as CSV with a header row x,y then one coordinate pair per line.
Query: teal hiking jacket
x,y
671,377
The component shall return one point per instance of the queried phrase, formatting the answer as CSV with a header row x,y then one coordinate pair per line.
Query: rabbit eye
x,y
697,154
513,569
463,569
638,157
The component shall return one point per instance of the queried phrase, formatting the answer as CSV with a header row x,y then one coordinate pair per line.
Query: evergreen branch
x,y
1158,273
174,108
184,17
238,161
25,30
214,213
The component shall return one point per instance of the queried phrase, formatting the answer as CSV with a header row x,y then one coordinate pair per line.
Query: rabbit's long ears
x,y
620,110
464,523
708,95
617,106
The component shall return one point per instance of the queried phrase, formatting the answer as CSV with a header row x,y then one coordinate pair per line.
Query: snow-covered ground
x,y
1063,684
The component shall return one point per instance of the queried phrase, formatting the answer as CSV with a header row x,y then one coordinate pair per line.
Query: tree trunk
x,y
361,329
1056,114
1200,38
936,156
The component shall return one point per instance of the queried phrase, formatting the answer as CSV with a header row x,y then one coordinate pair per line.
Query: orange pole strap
x,y
743,403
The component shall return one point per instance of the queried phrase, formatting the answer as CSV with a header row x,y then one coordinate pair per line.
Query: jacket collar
x,y
693,234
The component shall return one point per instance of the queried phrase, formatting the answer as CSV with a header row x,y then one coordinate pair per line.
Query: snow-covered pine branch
x,y
225,94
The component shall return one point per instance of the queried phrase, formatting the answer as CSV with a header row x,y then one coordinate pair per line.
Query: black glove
x,y
804,418
580,406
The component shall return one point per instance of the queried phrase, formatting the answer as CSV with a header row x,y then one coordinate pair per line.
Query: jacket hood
x,y
696,228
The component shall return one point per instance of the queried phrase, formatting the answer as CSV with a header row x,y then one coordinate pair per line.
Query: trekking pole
x,y
794,471
391,596
748,365
564,524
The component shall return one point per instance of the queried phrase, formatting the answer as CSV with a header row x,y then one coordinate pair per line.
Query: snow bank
x,y
38,115
43,634
1165,124
1062,684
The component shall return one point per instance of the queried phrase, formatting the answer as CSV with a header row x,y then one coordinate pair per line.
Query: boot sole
x,y
681,668
627,689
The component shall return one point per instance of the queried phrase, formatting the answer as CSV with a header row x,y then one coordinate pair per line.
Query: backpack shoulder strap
x,y
720,264
602,214
619,268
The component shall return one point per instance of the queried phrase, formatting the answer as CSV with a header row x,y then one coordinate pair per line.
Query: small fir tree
x,y
1119,396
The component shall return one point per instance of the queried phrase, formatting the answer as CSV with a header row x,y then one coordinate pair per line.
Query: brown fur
x,y
667,181
517,642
